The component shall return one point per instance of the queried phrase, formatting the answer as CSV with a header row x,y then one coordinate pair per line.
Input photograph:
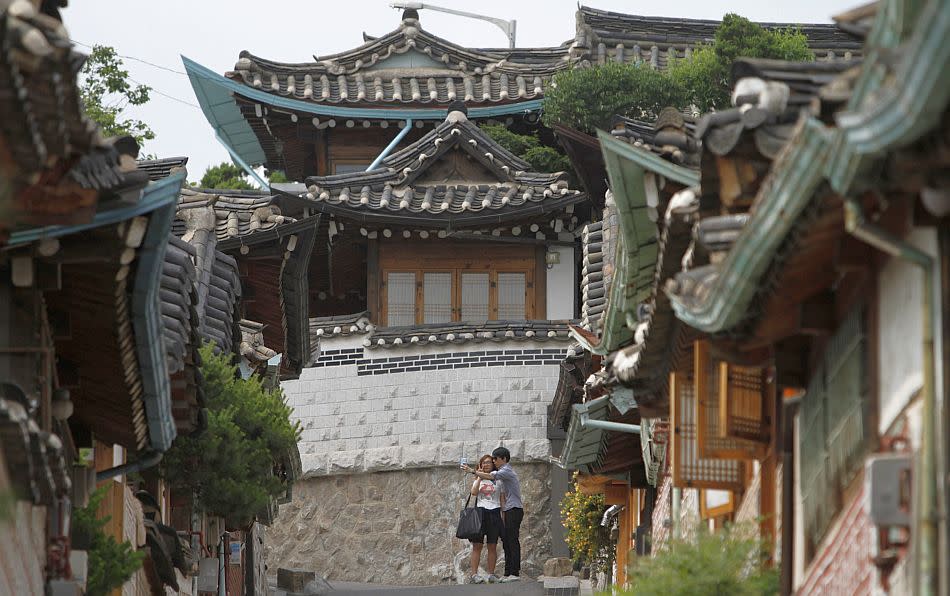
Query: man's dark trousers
x,y
511,540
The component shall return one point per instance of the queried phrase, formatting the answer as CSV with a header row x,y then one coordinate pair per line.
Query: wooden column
x,y
372,281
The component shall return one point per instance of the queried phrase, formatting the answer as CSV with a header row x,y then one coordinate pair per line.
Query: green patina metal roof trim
x,y
879,117
150,200
877,120
147,315
215,95
790,189
638,247
584,446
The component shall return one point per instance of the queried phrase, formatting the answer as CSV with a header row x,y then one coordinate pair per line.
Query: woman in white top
x,y
489,498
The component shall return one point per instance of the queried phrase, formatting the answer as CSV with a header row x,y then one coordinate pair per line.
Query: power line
x,y
169,96
152,64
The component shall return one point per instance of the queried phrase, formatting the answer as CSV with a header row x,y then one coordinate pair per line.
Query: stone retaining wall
x,y
396,527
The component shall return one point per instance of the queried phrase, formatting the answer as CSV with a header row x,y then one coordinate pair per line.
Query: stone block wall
x,y
367,410
383,432
396,527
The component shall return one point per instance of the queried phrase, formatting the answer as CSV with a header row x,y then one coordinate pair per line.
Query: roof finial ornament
x,y
457,112
411,15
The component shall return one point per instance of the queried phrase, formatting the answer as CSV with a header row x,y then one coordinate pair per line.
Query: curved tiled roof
x,y
442,72
236,213
672,136
593,288
605,36
340,325
399,186
161,168
465,332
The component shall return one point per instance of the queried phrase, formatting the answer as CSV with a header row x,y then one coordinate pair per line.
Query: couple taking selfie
x,y
498,495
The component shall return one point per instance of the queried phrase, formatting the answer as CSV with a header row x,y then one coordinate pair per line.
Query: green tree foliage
x,y
225,175
724,563
587,98
277,176
590,543
704,77
529,148
229,467
111,563
106,91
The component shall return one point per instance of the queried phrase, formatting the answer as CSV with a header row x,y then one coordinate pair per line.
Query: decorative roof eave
x,y
468,332
153,197
429,220
146,312
456,132
584,446
294,292
877,120
411,37
789,188
215,94
626,167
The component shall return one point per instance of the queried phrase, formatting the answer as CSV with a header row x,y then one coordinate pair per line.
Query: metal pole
x,y
392,145
618,427
222,564
925,478
675,512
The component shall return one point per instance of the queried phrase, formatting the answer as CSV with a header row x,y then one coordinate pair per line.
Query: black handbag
x,y
470,521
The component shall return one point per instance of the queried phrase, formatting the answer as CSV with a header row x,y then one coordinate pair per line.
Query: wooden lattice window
x,y
832,433
734,405
688,466
488,284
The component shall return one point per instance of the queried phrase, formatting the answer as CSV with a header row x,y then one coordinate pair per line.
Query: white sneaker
x,y
476,579
509,578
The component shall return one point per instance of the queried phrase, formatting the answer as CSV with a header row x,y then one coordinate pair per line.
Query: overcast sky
x,y
213,32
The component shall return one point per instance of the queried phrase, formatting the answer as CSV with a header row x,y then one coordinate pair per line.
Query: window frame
x,y
491,260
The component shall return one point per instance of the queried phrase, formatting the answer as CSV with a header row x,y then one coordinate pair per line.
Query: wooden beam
x,y
372,280
817,315
540,307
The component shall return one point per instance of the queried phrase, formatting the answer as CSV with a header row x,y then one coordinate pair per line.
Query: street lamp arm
x,y
509,27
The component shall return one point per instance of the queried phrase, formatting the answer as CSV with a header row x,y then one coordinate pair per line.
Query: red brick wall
x,y
843,562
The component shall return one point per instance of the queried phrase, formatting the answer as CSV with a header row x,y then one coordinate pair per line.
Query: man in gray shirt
x,y
513,511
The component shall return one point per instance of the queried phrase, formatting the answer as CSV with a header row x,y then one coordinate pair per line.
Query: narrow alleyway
x,y
525,588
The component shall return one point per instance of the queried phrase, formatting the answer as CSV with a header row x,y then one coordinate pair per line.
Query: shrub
x,y
728,562
540,157
111,563
587,98
230,466
590,543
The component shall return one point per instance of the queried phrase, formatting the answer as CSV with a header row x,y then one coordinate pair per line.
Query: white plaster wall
x,y
401,420
561,285
900,316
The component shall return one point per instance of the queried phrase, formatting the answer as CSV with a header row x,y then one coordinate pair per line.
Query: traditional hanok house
x,y
604,36
807,384
613,437
80,358
843,310
459,256
203,301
